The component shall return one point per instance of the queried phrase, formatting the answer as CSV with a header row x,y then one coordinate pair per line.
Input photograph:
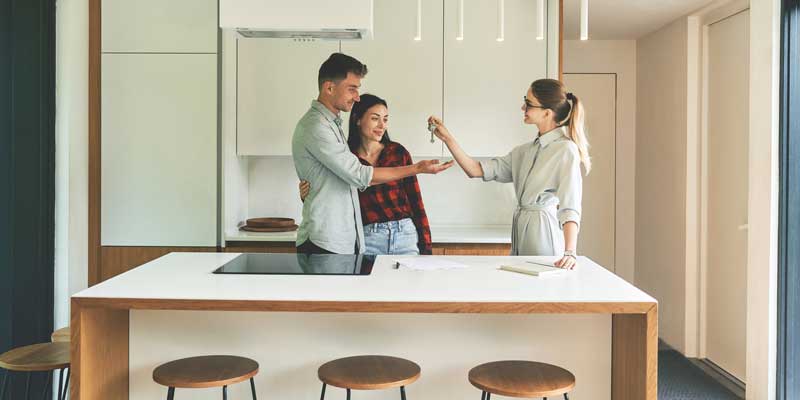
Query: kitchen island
x,y
588,320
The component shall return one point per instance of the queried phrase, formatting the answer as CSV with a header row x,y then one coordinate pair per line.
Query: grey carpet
x,y
679,379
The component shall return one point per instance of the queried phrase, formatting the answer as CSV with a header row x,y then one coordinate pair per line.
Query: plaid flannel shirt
x,y
396,200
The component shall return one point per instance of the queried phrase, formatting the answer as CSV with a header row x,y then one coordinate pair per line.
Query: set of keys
x,y
431,128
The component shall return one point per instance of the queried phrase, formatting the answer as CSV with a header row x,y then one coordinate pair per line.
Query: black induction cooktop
x,y
298,264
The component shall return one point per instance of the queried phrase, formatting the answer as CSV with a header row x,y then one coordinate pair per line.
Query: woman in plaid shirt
x,y
393,213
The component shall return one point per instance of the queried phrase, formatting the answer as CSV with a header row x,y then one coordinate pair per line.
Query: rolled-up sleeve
x,y
570,187
498,169
337,157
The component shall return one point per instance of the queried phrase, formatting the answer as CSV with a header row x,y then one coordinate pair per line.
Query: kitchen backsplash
x,y
450,197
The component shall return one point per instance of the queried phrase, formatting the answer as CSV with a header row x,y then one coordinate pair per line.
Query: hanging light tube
x,y
501,20
539,19
419,21
584,19
460,34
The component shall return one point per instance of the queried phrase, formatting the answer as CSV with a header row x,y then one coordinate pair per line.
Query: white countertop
x,y
439,234
188,276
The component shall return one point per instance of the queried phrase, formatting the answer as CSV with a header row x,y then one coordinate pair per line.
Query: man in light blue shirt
x,y
331,212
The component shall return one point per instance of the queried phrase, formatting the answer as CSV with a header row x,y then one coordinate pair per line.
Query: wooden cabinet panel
x,y
475,249
405,72
260,247
115,260
158,26
485,80
159,150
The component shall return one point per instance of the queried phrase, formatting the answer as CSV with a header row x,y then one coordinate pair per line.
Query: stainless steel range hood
x,y
345,34
298,19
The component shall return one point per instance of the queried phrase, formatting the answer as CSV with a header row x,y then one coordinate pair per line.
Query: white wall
x,y
661,121
72,179
619,57
450,197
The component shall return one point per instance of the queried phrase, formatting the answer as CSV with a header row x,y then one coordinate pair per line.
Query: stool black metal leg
x,y
488,395
66,384
47,385
483,395
3,386
28,386
322,396
253,388
60,383
348,394
566,397
402,393
225,392
170,393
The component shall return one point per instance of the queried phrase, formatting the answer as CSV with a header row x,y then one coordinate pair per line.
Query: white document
x,y
429,263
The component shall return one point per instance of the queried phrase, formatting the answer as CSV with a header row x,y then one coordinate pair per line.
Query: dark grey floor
x,y
679,379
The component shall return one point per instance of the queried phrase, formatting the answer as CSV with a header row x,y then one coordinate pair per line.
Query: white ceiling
x,y
625,19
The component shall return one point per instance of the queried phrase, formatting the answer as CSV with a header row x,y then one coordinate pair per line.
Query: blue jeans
x,y
393,237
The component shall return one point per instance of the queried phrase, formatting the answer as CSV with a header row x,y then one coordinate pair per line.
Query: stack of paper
x,y
429,263
531,268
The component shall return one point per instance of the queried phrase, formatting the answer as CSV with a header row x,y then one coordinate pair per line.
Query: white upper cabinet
x,y
475,84
486,79
159,26
159,150
405,72
277,79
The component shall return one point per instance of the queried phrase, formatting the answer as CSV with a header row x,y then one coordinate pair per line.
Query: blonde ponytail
x,y
577,132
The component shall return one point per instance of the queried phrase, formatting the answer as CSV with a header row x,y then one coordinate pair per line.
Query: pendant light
x,y
460,33
501,20
418,37
539,19
584,19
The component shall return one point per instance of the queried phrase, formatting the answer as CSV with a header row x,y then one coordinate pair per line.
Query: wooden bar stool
x,y
42,357
368,373
521,379
60,335
206,372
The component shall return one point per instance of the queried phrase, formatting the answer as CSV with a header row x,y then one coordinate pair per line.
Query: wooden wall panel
x,y
261,247
475,249
115,260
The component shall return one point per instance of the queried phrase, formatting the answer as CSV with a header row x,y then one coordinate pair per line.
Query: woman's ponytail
x,y
577,132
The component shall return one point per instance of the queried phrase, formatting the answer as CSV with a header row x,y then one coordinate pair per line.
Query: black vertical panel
x,y
6,175
788,381
27,175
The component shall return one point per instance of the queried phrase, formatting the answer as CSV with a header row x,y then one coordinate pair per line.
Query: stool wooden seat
x,y
521,379
369,372
36,357
206,372
61,335
41,357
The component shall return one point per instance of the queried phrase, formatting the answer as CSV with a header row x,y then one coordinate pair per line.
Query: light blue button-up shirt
x,y
331,212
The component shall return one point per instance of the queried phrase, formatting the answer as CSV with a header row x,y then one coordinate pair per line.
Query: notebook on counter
x,y
533,268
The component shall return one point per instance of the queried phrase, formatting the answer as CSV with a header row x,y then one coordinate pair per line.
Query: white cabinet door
x,y
485,80
277,79
159,146
405,72
159,26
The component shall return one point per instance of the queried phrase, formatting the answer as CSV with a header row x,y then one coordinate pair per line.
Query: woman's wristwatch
x,y
570,253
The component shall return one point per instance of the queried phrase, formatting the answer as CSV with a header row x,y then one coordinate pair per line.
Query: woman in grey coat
x,y
546,172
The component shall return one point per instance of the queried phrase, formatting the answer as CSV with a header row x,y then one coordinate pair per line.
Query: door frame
x,y
697,176
617,223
